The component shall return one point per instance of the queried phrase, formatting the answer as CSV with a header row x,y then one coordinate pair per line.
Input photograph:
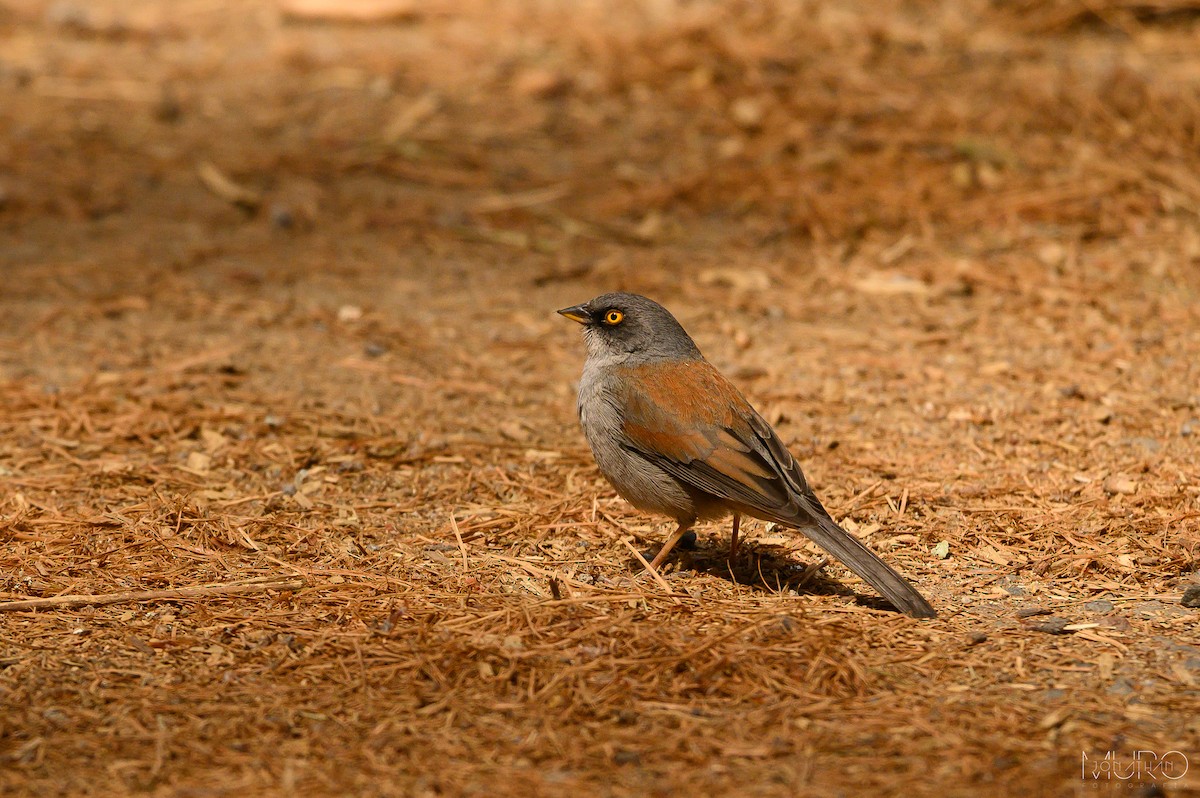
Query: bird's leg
x,y
670,544
733,543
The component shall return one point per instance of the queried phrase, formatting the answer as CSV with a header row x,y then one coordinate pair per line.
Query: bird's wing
x,y
691,421
687,419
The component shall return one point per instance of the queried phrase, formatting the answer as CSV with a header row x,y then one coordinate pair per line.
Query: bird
x,y
675,437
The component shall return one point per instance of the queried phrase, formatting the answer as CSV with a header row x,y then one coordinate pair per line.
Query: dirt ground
x,y
278,324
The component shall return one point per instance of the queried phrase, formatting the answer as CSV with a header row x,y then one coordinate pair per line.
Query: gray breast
x,y
640,482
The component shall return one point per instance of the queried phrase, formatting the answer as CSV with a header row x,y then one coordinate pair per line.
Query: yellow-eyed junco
x,y
675,437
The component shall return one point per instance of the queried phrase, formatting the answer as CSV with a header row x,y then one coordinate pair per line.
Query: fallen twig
x,y
197,591
223,186
653,573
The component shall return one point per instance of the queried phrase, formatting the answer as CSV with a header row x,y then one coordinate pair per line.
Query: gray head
x,y
627,325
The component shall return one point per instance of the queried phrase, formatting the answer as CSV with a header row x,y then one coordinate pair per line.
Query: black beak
x,y
577,313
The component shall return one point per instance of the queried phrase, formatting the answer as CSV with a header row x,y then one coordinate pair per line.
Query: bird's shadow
x,y
764,568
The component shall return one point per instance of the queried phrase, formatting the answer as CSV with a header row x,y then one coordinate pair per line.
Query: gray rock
x,y
1121,686
1051,625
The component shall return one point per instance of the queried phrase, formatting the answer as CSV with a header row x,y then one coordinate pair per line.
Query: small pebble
x,y
373,349
1120,686
1052,625
282,217
1118,622
1119,484
1191,597
56,716
627,758
747,112
168,108
1099,605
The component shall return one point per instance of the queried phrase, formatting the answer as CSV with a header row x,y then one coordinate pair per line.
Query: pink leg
x,y
733,544
670,544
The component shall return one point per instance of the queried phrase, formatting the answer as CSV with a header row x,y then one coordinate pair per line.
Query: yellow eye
x,y
613,317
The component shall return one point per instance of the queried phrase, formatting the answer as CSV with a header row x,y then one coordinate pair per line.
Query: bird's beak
x,y
577,313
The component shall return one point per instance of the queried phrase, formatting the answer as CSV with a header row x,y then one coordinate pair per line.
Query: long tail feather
x,y
866,563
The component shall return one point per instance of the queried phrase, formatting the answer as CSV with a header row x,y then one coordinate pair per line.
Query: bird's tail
x,y
866,563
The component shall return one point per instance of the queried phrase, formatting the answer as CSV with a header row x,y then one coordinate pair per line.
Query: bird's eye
x,y
613,317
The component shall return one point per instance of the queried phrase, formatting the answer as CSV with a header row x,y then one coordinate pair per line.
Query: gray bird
x,y
675,437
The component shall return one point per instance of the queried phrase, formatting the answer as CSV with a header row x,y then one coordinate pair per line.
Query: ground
x,y
278,325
